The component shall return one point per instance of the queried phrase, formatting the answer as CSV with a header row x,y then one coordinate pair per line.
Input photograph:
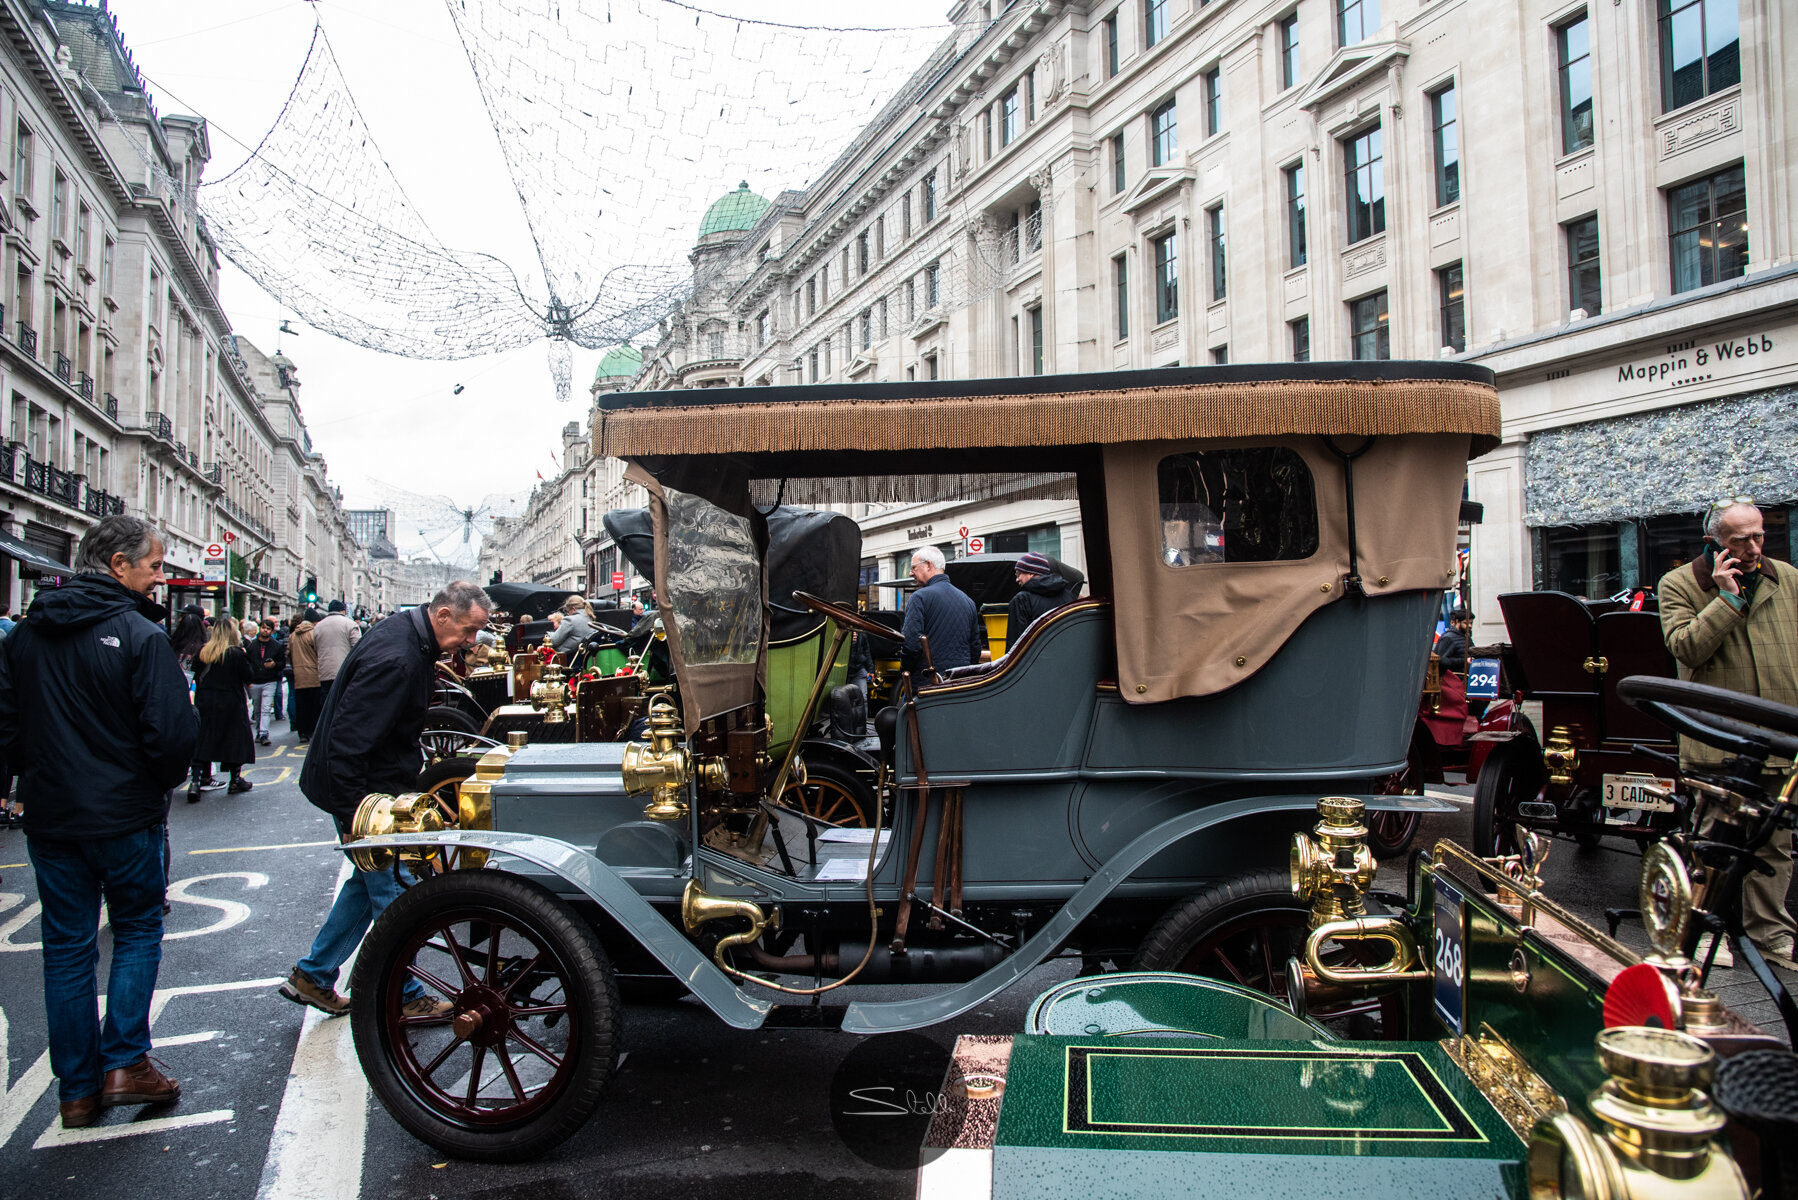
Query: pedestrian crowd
x,y
105,711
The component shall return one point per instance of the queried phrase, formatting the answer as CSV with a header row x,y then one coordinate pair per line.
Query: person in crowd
x,y
573,625
222,676
1730,617
6,621
1041,589
94,716
302,660
367,741
189,636
1451,647
332,640
942,612
267,661
281,631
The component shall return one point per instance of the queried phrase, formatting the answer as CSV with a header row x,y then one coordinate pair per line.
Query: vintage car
x,y
1523,1052
1587,778
1119,787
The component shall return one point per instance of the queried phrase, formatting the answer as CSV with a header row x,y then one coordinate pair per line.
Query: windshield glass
x,y
714,581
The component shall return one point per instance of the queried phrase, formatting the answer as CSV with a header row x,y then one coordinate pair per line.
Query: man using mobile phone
x,y
1730,617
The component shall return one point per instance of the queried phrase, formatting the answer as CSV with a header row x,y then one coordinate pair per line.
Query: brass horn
x,y
379,814
697,906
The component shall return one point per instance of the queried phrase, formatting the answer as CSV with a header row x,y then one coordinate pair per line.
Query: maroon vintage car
x,y
1585,779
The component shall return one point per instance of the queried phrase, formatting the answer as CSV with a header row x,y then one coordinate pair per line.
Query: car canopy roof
x,y
1183,629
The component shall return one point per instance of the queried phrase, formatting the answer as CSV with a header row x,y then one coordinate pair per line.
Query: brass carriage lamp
x,y
1660,1128
549,695
1332,866
661,766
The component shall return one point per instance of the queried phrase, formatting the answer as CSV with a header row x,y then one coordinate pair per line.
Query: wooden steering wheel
x,y
847,617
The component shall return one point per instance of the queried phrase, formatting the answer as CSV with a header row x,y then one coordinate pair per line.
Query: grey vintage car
x,y
1266,547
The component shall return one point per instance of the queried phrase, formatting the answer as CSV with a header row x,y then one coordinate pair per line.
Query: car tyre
x,y
1513,774
543,944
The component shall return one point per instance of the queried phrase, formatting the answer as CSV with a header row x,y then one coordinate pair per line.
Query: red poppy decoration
x,y
1641,995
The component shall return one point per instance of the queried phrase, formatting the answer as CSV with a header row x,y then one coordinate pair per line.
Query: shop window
x,y
1584,560
1255,504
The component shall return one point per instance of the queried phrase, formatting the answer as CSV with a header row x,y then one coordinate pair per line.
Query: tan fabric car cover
x,y
1199,629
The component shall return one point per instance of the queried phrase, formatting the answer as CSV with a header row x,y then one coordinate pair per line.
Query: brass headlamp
x,y
549,695
1660,1129
380,814
660,767
1332,867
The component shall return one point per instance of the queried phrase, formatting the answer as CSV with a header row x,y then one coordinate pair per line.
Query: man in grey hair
x,y
366,740
94,715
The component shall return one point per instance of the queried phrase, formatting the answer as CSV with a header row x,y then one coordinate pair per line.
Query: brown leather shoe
x,y
140,1083
79,1114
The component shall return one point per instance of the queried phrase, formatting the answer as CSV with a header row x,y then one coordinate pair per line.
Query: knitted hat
x,y
1032,563
334,606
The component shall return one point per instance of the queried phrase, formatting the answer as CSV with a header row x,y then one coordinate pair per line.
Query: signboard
x,y
1448,954
1482,679
962,532
214,570
215,551
229,537
976,545
617,581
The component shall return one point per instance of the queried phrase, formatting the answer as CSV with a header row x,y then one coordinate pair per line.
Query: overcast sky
x,y
379,419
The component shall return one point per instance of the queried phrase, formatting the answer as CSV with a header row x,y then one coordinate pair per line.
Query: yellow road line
x,y
240,849
10,866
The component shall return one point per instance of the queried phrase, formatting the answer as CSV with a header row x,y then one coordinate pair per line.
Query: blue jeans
x,y
283,699
71,878
364,896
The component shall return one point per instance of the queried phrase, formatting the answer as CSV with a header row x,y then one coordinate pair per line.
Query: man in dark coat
x,y
366,741
95,718
941,612
268,658
1451,647
1041,589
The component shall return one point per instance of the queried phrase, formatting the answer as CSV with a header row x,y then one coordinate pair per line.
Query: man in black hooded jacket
x,y
1041,589
366,741
95,717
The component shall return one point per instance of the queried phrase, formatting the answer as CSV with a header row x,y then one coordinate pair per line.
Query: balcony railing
x,y
160,426
28,339
103,504
65,370
9,461
216,473
112,406
85,385
46,480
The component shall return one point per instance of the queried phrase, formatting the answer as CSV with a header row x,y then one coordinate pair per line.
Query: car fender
x,y
602,885
893,1016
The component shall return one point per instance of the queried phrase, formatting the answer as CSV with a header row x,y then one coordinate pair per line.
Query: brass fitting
x,y
1332,866
549,694
380,814
474,796
660,767
1560,756
1400,965
1660,1129
697,906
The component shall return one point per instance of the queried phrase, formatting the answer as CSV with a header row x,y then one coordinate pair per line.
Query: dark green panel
x,y
1143,1117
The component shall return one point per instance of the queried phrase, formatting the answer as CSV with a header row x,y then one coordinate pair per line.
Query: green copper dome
x,y
733,212
619,361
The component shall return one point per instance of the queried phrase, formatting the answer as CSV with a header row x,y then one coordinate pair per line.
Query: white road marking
x,y
56,1135
1451,797
322,1127
232,912
16,1100
186,1039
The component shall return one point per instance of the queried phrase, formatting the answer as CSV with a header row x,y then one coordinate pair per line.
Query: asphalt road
x,y
274,1106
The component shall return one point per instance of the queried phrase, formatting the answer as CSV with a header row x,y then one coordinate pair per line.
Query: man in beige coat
x,y
304,656
333,637
1730,617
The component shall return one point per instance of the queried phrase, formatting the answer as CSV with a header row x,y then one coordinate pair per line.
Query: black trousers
x,y
306,703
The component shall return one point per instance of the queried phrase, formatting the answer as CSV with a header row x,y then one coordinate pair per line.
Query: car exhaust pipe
x,y
916,964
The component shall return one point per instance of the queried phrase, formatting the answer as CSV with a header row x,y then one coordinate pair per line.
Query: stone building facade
x,y
1594,200
544,544
124,387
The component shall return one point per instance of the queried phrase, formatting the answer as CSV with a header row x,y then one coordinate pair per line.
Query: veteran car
x,y
1266,547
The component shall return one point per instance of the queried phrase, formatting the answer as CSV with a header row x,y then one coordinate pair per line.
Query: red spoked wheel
x,y
527,1031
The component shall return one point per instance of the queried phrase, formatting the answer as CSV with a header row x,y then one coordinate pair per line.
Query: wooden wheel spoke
x,y
523,973
448,1050
474,1074
1229,966
423,976
530,1043
505,1063
455,953
1267,955
541,1010
493,953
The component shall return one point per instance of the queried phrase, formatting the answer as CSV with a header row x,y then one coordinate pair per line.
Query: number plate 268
x,y
1448,959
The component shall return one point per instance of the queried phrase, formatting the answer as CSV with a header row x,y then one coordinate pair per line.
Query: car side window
x,y
1254,504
